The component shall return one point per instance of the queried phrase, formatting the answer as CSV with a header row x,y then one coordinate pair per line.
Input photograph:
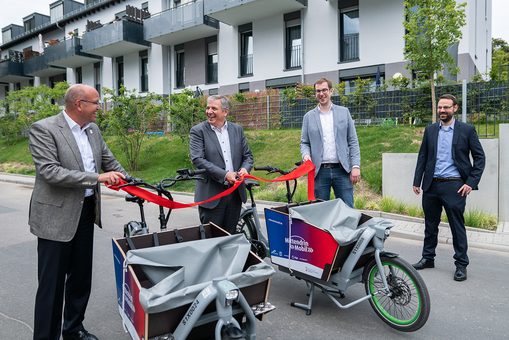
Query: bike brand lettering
x,y
298,243
357,246
191,311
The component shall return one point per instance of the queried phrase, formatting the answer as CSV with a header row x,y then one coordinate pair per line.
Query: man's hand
x,y
465,190
307,158
243,172
355,175
230,177
111,178
417,190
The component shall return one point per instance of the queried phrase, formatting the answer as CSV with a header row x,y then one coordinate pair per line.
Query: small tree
x,y
432,26
130,117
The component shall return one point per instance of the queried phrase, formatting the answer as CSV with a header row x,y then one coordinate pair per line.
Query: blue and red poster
x,y
299,246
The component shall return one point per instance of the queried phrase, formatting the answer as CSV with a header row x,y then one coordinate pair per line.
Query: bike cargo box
x,y
142,325
310,250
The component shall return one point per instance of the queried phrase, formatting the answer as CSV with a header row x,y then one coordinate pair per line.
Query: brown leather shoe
x,y
424,263
460,274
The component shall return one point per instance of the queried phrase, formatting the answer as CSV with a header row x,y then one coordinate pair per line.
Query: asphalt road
x,y
474,309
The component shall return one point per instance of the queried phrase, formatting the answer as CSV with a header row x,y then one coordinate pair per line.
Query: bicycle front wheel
x,y
406,306
246,226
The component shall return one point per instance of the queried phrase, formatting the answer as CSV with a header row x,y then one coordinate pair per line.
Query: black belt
x,y
447,179
331,165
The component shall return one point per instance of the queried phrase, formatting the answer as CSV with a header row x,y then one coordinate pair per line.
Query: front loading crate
x,y
144,326
304,247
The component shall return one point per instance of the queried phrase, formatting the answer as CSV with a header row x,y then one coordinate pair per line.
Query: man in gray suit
x,y
329,140
220,147
69,154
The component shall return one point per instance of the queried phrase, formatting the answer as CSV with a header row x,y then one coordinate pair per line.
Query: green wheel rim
x,y
379,305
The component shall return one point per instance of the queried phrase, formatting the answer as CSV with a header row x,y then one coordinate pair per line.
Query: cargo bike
x,y
189,283
331,247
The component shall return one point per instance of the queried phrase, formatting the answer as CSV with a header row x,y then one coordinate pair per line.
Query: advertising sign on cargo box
x,y
308,250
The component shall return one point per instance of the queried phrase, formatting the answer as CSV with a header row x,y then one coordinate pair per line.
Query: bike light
x,y
387,233
232,295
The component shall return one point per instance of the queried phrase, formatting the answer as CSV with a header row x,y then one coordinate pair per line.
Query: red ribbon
x,y
306,168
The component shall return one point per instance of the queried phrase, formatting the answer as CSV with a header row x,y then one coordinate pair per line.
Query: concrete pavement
x,y
404,226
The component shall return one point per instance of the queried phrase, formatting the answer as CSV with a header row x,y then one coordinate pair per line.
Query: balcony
x,y
239,12
350,47
69,53
35,64
115,39
246,65
180,24
293,57
12,72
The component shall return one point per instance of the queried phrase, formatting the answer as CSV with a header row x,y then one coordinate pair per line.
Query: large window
x,y
97,77
79,75
56,12
212,62
180,68
246,50
349,34
144,74
29,24
293,44
120,72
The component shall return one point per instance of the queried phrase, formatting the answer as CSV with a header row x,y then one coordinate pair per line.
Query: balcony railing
x,y
246,65
212,73
350,47
68,53
293,57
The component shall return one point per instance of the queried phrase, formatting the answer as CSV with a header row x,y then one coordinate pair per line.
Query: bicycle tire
x,y
407,308
246,225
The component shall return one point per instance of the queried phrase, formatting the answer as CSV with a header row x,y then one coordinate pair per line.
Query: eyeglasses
x,y
95,103
443,107
322,91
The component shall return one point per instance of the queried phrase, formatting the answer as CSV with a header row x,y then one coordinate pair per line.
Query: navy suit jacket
x,y
464,142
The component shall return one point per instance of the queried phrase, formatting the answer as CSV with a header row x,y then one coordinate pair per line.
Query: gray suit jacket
x,y
206,154
347,145
60,180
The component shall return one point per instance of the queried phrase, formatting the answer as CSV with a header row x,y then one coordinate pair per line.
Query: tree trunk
x,y
433,101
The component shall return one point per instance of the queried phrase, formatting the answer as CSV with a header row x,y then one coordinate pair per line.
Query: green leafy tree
x,y
23,107
129,118
500,60
432,26
186,111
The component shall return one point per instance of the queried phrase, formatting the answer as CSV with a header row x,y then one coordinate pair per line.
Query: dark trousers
x,y
226,214
445,194
65,273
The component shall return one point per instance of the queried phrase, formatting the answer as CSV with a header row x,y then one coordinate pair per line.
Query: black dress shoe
x,y
460,274
81,335
424,263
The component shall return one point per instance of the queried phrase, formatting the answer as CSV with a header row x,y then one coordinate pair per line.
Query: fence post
x,y
464,101
268,111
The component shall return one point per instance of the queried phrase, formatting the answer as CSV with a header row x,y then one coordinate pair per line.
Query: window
x,y
29,24
246,50
56,12
144,74
6,36
351,83
120,72
349,34
97,77
293,44
79,75
180,68
212,62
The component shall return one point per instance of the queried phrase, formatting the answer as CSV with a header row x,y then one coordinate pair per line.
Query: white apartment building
x,y
220,46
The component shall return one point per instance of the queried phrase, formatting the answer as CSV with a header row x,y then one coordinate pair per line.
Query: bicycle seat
x,y
250,183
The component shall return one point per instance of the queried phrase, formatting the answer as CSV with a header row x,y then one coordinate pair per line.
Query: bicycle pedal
x,y
262,308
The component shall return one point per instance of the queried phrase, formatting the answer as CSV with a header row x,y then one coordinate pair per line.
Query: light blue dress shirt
x,y
444,166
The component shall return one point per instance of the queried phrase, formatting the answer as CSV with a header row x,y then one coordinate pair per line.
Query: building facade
x,y
220,46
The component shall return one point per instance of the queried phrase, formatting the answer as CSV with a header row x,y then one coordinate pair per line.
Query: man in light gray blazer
x,y
329,140
69,154
220,147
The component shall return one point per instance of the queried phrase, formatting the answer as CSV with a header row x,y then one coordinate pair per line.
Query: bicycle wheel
x,y
406,307
246,225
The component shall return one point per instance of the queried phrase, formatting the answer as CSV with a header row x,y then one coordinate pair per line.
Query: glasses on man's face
x,y
443,107
95,103
322,91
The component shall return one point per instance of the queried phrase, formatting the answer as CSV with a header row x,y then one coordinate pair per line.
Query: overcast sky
x,y
21,8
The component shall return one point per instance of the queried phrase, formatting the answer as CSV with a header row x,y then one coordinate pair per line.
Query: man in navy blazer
x,y
220,147
448,177
329,140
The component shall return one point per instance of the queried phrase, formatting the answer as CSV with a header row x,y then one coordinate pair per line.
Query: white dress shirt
x,y
330,154
224,141
87,155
